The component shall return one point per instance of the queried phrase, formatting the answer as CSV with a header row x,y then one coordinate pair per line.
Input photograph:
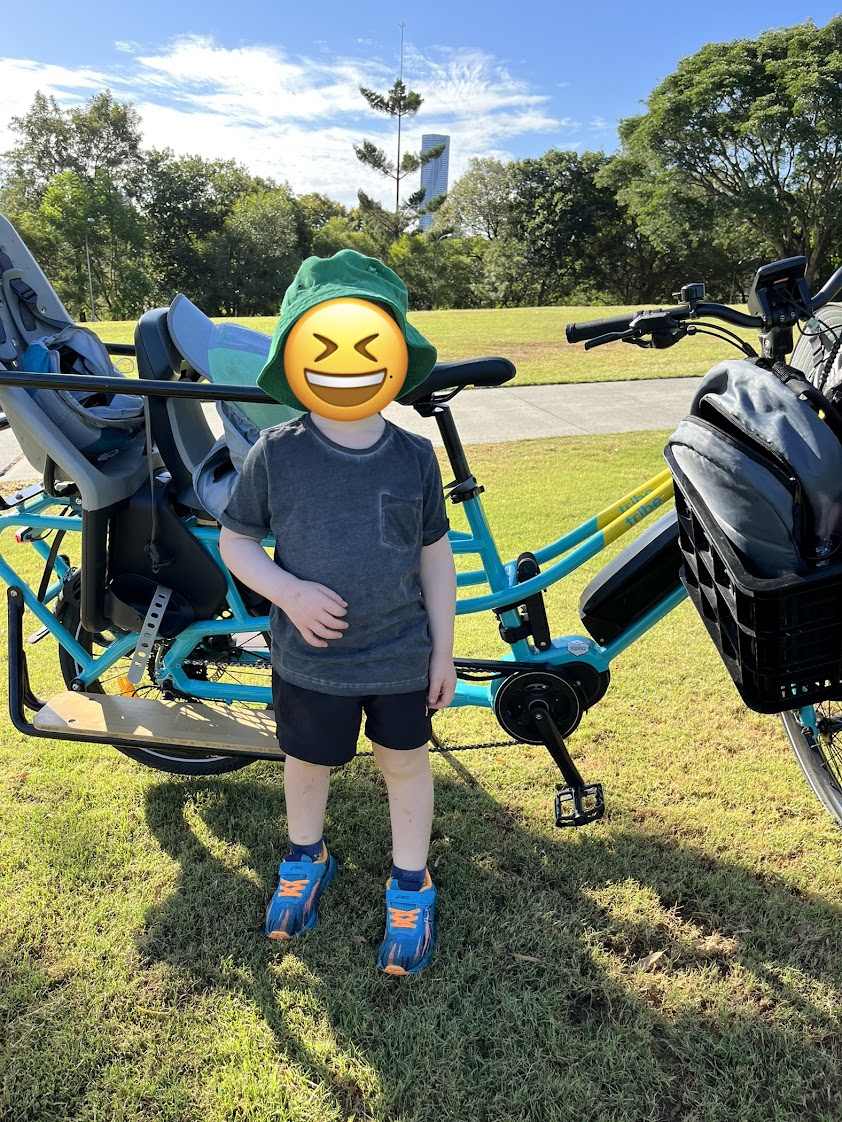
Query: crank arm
x,y
577,803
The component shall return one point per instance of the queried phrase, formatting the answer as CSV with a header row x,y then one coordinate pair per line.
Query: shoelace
x,y
291,887
405,918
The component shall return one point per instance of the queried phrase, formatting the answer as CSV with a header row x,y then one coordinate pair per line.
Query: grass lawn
x,y
533,338
681,959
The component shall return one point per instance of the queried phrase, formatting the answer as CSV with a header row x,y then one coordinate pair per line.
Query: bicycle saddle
x,y
484,372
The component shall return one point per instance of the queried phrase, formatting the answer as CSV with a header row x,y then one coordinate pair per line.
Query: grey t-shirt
x,y
353,520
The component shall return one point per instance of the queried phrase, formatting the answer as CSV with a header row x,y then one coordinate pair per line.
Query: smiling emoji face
x,y
345,359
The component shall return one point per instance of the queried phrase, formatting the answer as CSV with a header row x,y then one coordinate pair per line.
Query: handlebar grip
x,y
581,332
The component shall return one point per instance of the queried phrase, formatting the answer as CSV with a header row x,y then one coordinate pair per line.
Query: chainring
x,y
511,703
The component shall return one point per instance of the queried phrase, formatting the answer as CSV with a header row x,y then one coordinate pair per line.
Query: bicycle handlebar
x,y
639,321
830,289
590,329
722,311
666,325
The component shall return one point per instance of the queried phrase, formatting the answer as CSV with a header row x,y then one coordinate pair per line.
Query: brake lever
x,y
611,337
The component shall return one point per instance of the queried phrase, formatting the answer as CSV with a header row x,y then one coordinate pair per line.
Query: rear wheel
x,y
816,355
820,756
182,761
817,352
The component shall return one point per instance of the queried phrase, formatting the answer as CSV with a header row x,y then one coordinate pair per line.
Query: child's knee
x,y
402,764
303,772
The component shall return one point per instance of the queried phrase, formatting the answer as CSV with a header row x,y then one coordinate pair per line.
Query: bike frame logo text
x,y
647,508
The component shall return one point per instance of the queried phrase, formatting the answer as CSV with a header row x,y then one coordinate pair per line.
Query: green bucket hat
x,y
347,273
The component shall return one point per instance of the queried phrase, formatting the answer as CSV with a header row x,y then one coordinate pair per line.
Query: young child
x,y
362,583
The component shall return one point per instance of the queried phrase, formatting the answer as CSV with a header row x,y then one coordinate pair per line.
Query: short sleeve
x,y
247,512
436,523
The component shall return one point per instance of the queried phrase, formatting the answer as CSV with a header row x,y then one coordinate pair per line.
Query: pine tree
x,y
398,103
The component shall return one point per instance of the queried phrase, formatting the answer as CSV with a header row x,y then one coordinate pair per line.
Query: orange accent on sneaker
x,y
406,918
408,943
291,887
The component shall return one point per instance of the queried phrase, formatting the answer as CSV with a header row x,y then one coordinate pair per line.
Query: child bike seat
x,y
226,354
180,427
182,342
94,440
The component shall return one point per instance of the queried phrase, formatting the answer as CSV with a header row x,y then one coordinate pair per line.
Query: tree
x,y
101,136
186,200
477,204
398,102
507,280
439,272
77,215
256,254
43,149
753,128
569,225
71,178
316,211
675,235
344,233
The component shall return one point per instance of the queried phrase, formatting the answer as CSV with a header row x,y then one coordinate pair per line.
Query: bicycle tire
x,y
820,758
809,361
177,761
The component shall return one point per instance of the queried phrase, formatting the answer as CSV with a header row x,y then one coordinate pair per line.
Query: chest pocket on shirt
x,y
400,522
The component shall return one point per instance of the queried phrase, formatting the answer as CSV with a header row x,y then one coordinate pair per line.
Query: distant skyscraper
x,y
434,174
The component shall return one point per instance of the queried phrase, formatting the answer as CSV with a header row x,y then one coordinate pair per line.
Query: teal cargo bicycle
x,y
165,655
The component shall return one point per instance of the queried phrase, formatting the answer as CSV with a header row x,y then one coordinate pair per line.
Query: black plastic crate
x,y
780,638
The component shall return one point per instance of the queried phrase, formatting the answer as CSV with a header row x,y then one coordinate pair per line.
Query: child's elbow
x,y
228,544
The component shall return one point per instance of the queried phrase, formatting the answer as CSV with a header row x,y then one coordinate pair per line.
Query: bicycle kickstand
x,y
577,803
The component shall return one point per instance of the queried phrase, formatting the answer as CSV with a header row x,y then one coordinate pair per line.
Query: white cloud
x,y
21,79
294,117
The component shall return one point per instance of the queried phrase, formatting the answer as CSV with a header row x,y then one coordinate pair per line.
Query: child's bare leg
x,y
308,867
410,893
305,791
409,782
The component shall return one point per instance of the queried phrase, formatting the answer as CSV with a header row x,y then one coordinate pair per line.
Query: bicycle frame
x,y
31,516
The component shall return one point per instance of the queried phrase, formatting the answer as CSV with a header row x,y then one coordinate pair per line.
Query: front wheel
x,y
181,761
820,756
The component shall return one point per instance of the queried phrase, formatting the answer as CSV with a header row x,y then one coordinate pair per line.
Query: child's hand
x,y
442,681
315,610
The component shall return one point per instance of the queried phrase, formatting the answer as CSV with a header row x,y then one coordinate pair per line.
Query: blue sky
x,y
275,85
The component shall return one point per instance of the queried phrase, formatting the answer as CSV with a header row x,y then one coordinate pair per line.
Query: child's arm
x,y
314,609
438,587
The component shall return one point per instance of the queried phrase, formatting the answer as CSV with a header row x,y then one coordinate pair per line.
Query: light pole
x,y
90,222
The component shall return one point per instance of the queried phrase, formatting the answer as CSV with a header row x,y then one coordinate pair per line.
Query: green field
x,y
533,338
679,960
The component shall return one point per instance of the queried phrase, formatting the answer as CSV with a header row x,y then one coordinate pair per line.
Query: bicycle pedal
x,y
38,635
577,806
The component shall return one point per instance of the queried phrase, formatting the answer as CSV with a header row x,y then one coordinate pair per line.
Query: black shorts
x,y
322,728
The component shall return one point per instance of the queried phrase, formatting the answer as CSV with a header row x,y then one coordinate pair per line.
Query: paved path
x,y
511,413
524,412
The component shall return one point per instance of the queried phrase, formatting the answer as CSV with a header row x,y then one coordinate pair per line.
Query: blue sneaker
x,y
410,929
292,909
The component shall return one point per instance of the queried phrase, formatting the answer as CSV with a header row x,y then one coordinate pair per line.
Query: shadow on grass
x,y
602,974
